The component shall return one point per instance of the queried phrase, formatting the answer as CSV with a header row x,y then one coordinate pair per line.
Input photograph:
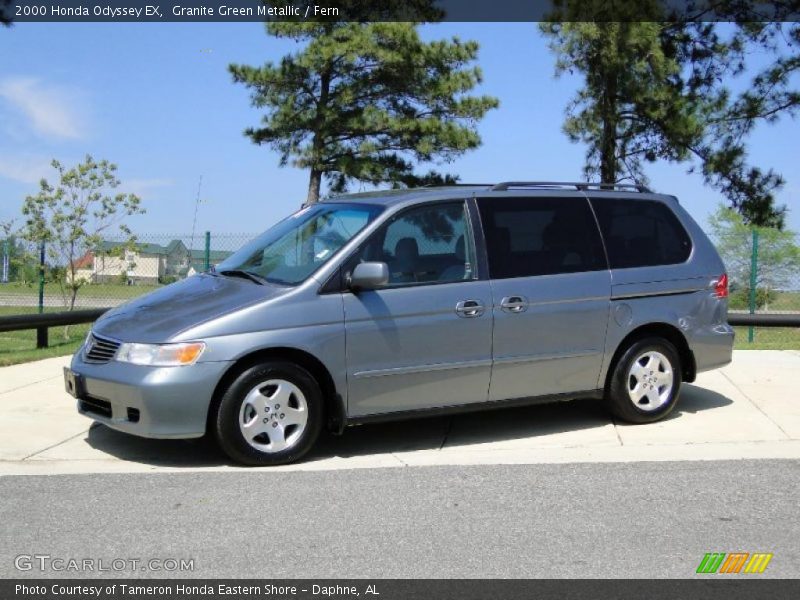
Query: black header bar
x,y
708,587
27,11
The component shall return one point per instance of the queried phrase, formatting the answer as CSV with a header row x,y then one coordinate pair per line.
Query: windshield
x,y
297,246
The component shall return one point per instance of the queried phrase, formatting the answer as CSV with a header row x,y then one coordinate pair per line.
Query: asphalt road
x,y
568,520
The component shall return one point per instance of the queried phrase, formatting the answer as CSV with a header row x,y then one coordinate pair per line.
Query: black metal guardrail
x,y
41,322
764,320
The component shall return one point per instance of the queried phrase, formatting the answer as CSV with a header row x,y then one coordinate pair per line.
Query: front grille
x,y
96,406
100,350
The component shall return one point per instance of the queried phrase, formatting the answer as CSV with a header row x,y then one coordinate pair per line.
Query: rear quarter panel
x,y
679,295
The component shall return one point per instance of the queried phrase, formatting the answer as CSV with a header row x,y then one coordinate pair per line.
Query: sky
x,y
157,99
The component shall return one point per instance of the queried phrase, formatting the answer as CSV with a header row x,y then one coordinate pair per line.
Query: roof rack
x,y
441,185
579,185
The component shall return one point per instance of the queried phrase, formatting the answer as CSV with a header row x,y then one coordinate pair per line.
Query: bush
x,y
740,298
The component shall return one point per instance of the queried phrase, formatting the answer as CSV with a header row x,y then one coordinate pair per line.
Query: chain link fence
x,y
104,276
109,274
763,267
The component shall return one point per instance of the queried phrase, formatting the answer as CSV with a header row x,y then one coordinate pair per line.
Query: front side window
x,y
429,244
297,246
641,233
526,237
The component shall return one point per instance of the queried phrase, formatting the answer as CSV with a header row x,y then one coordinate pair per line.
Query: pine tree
x,y
628,110
5,12
365,102
655,88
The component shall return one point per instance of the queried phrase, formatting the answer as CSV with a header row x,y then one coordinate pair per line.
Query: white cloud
x,y
25,169
143,187
51,111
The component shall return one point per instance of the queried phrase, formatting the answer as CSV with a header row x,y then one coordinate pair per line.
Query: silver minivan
x,y
399,304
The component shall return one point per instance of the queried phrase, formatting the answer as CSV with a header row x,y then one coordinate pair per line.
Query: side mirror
x,y
369,276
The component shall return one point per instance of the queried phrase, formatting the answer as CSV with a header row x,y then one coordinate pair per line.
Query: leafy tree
x,y
364,101
778,253
72,216
655,89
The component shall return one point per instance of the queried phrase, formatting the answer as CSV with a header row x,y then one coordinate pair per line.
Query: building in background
x,y
198,260
144,264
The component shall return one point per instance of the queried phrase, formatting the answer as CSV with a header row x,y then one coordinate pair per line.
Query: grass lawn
x,y
90,290
773,338
785,301
768,338
782,301
20,346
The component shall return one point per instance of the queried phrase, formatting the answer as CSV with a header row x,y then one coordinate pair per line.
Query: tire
x,y
270,414
646,381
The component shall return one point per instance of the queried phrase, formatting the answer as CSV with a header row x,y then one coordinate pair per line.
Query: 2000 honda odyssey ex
x,y
408,303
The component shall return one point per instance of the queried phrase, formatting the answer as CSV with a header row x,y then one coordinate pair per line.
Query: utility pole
x,y
6,252
6,226
196,208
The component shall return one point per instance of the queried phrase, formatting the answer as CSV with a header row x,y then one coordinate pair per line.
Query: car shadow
x,y
531,423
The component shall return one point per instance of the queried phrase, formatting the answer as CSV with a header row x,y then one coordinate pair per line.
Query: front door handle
x,y
514,304
469,308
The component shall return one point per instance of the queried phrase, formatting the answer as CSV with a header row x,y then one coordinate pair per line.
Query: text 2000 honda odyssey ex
x,y
417,302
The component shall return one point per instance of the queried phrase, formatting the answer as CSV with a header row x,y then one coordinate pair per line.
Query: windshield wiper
x,y
255,278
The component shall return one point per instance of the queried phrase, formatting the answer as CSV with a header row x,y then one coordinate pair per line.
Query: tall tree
x,y
365,102
71,217
656,89
626,99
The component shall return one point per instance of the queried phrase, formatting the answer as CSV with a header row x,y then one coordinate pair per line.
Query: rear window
x,y
641,233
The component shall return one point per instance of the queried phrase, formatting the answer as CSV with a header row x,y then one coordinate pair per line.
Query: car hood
x,y
163,314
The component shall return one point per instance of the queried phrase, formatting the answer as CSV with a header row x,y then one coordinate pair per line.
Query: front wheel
x,y
646,381
271,414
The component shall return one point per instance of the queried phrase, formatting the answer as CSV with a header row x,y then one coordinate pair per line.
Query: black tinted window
x,y
641,233
540,236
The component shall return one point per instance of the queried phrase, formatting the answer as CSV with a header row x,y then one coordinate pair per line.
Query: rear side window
x,y
641,233
540,236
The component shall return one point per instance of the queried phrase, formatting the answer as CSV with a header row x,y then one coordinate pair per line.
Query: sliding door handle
x,y
514,304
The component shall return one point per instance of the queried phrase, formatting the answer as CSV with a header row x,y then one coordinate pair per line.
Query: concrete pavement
x,y
750,409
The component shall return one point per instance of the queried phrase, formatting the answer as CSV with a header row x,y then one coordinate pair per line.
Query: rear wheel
x,y
270,414
646,381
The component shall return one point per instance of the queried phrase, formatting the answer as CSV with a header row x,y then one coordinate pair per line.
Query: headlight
x,y
161,355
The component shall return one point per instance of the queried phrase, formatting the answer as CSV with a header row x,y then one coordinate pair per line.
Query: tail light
x,y
721,286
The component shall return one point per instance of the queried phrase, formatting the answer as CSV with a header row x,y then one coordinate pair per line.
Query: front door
x,y
423,341
551,288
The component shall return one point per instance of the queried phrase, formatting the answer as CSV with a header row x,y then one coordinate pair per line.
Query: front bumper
x,y
152,402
